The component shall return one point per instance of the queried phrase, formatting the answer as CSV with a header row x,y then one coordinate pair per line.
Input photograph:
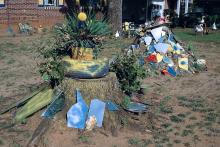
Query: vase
x,y
80,53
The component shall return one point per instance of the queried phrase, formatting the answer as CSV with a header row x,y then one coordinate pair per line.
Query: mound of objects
x,y
164,54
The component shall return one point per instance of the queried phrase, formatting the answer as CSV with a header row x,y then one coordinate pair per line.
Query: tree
x,y
115,14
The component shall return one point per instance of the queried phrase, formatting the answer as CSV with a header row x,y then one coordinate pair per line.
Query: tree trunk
x,y
115,14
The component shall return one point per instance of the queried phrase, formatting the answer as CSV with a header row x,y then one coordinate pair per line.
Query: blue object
x,y
97,109
56,106
168,61
162,47
183,62
137,107
161,40
171,71
77,114
111,106
172,38
151,49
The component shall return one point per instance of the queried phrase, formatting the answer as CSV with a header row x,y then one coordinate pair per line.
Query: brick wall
x,y
16,11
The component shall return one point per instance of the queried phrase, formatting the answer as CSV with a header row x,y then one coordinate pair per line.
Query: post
x,y
178,8
186,6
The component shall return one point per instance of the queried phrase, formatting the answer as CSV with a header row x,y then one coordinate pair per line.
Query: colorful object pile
x,y
164,53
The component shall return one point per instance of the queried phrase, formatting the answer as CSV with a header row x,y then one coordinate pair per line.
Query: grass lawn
x,y
189,35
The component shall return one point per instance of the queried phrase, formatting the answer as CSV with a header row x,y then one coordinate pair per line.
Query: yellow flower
x,y
82,16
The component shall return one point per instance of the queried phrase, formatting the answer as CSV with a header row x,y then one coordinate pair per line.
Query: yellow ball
x,y
82,16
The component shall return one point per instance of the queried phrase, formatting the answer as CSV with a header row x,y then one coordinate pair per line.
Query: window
x,y
2,3
50,2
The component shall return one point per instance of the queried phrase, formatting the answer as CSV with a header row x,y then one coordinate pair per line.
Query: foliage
x,y
51,67
128,72
81,34
126,101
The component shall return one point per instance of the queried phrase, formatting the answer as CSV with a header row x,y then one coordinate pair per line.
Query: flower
x,y
82,16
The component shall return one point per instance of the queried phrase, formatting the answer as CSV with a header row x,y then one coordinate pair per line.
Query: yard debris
x,y
136,107
97,109
111,106
56,106
80,116
76,116
36,103
91,123
23,100
164,53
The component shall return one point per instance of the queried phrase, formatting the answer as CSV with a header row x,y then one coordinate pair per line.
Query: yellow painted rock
x,y
82,69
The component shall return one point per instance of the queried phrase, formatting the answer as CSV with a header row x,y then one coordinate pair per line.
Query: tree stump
x,y
106,88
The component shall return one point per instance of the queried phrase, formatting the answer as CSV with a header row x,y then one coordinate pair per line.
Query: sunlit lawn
x,y
189,35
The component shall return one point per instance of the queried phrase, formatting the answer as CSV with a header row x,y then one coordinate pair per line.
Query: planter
x,y
82,53
86,69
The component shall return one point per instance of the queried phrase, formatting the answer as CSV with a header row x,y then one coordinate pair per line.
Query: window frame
x,y
2,5
51,5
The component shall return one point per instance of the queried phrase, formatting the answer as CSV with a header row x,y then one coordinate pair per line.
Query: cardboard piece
x,y
157,33
161,47
147,40
56,106
151,49
77,114
159,57
97,109
168,61
152,58
171,71
111,106
183,63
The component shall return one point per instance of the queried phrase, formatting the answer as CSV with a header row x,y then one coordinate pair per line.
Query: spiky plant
x,y
81,34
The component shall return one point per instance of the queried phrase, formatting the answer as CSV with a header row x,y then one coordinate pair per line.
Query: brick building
x,y
36,12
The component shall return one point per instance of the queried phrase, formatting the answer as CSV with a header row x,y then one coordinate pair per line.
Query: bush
x,y
129,72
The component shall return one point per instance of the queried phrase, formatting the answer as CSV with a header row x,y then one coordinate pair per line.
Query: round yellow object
x,y
82,16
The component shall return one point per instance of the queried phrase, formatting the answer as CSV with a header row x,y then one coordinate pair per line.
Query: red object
x,y
165,72
152,58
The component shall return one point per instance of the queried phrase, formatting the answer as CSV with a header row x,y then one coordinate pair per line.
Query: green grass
x,y
84,139
189,35
139,142
186,133
176,119
163,105
1,143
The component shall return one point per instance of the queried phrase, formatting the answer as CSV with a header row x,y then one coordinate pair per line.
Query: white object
x,y
162,47
202,21
201,61
158,33
117,34
147,40
91,123
214,26
199,28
